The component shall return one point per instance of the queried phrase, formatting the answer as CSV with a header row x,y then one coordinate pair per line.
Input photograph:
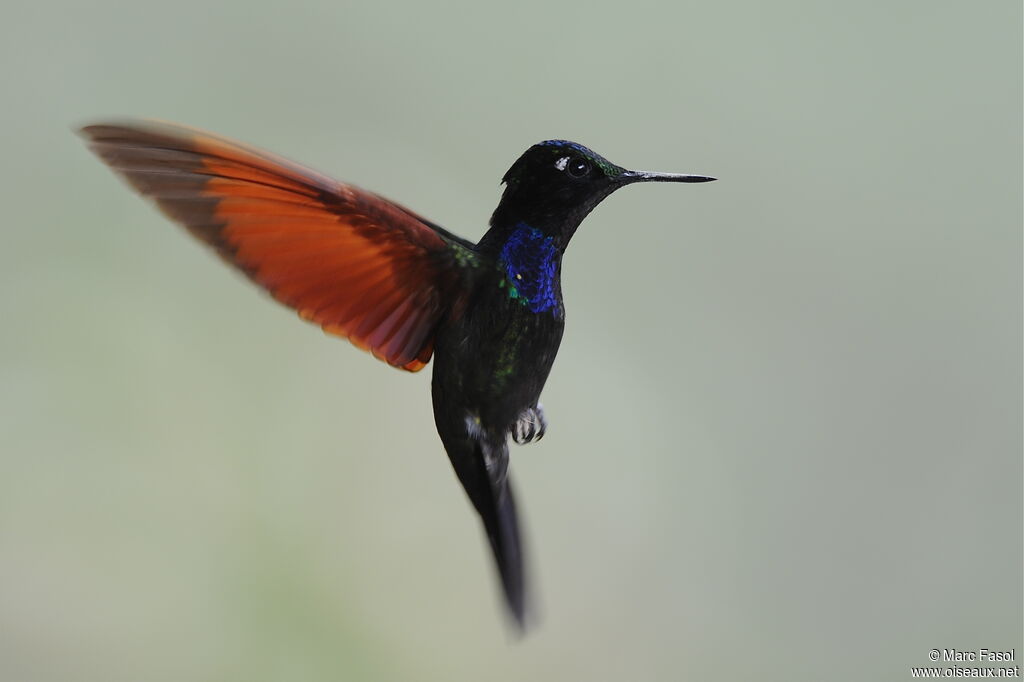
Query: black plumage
x,y
399,285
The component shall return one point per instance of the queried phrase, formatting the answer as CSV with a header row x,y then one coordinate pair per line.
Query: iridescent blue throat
x,y
530,261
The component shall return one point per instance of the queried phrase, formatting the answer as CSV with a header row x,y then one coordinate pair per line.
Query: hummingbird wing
x,y
355,263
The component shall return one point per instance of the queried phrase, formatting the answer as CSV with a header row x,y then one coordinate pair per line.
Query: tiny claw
x,y
530,426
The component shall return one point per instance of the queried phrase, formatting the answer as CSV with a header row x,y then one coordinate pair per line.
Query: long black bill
x,y
629,177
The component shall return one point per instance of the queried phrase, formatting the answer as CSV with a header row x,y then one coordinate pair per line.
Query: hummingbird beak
x,y
629,177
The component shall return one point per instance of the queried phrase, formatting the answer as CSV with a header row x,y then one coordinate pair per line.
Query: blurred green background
x,y
785,435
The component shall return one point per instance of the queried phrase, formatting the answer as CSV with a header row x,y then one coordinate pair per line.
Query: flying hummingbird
x,y
398,285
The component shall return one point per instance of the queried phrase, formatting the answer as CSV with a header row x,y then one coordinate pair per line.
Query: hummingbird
x,y
398,285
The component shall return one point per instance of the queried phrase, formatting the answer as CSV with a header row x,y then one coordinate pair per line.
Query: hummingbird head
x,y
556,183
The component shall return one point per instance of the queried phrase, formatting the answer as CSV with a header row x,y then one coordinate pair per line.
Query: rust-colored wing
x,y
353,262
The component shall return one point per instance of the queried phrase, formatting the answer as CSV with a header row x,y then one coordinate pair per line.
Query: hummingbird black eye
x,y
577,167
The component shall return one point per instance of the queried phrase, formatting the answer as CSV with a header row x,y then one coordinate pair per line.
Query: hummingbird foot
x,y
530,426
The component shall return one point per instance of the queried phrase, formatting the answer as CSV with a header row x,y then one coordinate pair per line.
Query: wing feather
x,y
358,265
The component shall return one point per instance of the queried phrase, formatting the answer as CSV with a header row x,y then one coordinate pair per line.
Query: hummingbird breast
x,y
530,262
493,360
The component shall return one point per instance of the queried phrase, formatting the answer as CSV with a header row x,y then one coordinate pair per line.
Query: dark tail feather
x,y
496,505
502,527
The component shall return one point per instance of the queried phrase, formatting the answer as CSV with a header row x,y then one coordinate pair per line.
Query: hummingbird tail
x,y
482,468
506,544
